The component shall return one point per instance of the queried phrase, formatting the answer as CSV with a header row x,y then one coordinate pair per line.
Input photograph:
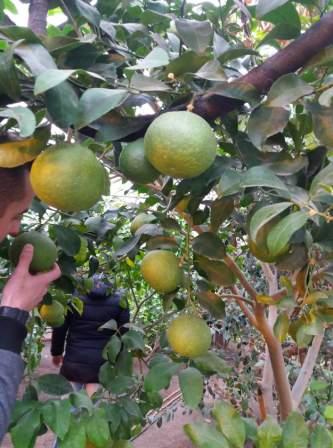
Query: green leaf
x,y
215,270
321,438
16,33
322,119
209,245
76,436
286,90
212,71
80,400
264,215
112,349
328,413
159,376
230,423
133,340
265,122
281,327
56,415
188,62
51,78
191,384
196,35
295,432
89,12
269,434
212,302
96,102
26,119
235,53
9,83
25,431
278,238
203,435
237,90
97,429
147,84
156,58
322,179
265,6
53,384
261,176
62,104
67,239
36,57
211,363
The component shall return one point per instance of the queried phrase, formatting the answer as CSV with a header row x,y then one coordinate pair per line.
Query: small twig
x,y
248,313
239,274
139,306
237,297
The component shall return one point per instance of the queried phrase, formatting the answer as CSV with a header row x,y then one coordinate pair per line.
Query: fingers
x,y
52,275
25,258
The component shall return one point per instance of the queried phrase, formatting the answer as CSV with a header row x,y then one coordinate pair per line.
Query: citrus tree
x,y
220,116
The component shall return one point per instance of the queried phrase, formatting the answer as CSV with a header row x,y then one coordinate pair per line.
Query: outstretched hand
x,y
24,290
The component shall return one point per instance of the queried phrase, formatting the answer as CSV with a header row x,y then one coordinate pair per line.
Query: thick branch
x,y
306,371
287,60
38,15
276,355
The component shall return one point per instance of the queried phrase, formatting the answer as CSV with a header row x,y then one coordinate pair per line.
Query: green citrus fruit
x,y
189,336
68,177
140,220
53,314
135,166
83,253
180,144
160,269
45,251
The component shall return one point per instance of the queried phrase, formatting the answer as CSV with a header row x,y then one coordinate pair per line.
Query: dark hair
x,y
12,185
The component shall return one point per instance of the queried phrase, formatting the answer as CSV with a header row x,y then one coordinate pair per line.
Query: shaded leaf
x,y
265,6
56,414
25,431
147,84
203,435
212,302
97,429
51,78
76,436
9,83
221,209
211,363
322,179
321,438
295,432
265,122
278,238
237,90
195,34
53,384
264,215
209,245
156,58
287,89
96,102
261,176
26,119
89,12
159,376
191,384
62,104
68,239
281,327
36,57
234,53
322,119
230,423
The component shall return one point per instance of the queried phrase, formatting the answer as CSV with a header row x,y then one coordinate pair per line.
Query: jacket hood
x,y
102,287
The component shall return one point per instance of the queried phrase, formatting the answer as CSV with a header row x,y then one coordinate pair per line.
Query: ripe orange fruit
x,y
180,144
160,269
53,314
68,177
189,336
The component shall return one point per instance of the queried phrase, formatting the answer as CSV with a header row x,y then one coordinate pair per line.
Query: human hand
x,y
57,360
23,290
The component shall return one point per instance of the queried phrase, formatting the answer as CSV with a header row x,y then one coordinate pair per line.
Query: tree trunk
x,y
38,16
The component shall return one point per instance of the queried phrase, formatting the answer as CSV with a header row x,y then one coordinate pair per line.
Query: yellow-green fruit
x,y
140,220
83,253
189,336
68,177
45,251
160,269
134,164
180,144
53,314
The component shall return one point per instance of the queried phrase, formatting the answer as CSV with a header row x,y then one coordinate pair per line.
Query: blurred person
x,y
22,291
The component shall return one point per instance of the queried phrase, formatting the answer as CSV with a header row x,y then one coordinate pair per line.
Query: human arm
x,y
22,291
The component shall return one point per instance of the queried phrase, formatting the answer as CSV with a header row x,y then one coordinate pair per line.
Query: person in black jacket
x,y
81,338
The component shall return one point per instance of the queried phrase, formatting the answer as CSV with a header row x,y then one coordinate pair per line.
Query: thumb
x,y
25,258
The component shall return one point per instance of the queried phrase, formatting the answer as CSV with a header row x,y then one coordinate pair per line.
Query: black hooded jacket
x,y
84,342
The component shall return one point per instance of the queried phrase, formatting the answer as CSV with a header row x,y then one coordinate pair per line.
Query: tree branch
x,y
287,60
38,16
306,371
239,274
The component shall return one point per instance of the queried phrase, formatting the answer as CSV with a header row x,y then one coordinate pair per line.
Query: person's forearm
x,y
12,334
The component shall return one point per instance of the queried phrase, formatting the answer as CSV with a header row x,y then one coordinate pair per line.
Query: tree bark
x,y
287,60
38,16
306,371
